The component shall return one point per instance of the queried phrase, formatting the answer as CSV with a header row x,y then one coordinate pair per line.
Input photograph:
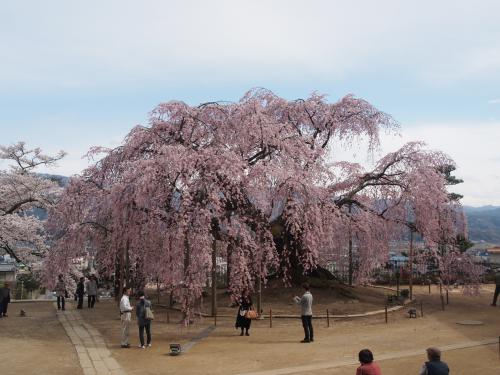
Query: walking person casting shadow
x,y
242,320
144,317
61,293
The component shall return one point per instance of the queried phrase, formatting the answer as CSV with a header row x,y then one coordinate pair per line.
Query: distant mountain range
x,y
484,223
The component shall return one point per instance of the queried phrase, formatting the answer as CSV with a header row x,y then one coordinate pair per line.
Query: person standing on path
x,y
368,366
91,291
497,287
4,299
245,304
60,290
434,366
125,316
305,303
142,320
80,291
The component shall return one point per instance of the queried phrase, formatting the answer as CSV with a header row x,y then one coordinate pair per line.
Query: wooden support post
x,y
447,300
327,318
215,319
270,318
442,302
410,281
429,287
158,290
421,309
214,278
259,296
386,320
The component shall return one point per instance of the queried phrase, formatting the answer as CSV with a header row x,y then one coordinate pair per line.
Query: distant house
x,y
494,255
7,272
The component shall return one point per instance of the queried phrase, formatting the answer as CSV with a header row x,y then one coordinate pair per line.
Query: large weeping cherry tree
x,y
256,176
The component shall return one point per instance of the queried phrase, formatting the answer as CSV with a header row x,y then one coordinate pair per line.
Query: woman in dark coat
x,y
245,304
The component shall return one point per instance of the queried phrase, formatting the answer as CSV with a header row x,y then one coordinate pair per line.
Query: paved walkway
x,y
94,356
382,357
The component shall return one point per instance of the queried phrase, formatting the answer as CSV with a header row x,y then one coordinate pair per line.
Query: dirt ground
x,y
35,344
225,352
402,341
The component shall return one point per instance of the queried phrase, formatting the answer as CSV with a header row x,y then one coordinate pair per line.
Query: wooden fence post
x,y
327,318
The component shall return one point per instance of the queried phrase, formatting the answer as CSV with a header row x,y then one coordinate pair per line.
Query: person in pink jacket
x,y
368,366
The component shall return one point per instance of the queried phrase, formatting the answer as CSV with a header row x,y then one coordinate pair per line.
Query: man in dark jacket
x,y
497,287
5,299
80,291
142,321
434,366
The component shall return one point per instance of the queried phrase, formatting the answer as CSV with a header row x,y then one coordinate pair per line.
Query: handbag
x,y
149,313
252,314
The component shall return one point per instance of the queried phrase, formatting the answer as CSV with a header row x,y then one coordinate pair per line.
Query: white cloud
x,y
494,101
59,43
474,147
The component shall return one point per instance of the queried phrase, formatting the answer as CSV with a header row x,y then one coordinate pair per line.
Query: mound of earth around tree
x,y
338,299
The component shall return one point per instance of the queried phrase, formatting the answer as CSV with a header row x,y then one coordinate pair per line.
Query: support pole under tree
x,y
351,266
270,318
422,309
386,318
214,279
259,296
442,302
429,287
411,265
447,298
398,276
158,289
327,318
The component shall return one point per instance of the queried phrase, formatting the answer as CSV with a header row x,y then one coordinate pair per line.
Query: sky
x,y
79,74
